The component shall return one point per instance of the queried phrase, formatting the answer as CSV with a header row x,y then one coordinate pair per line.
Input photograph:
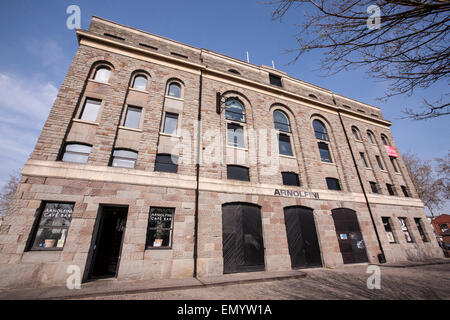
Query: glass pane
x,y
102,75
90,110
370,137
161,217
56,215
405,229
126,154
170,123
281,121
284,143
333,184
237,173
234,110
290,179
123,163
81,148
235,135
158,238
319,130
166,163
174,90
75,157
324,152
50,238
140,83
133,117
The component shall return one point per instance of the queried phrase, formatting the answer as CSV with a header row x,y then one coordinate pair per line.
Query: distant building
x,y
441,226
161,160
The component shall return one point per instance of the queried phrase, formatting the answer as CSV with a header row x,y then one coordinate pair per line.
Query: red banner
x,y
392,152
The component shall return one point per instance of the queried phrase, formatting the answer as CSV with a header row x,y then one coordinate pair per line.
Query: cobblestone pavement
x,y
349,282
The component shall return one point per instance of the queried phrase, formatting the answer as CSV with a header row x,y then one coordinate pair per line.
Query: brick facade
x,y
128,52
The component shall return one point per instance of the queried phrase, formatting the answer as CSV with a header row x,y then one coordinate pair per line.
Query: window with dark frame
x,y
234,110
170,123
443,227
320,131
405,191
160,228
275,80
373,187
166,163
140,83
393,161
385,140
371,137
235,172
90,110
235,135
174,90
284,144
290,179
390,188
52,227
380,163
325,155
388,229
78,153
356,134
364,161
333,184
133,117
281,121
418,222
404,227
102,74
124,158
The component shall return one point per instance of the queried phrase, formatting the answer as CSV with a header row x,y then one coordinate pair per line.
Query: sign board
x,y
295,194
392,152
161,214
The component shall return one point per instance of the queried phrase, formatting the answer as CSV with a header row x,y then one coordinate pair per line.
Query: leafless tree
x,y
8,192
430,183
410,49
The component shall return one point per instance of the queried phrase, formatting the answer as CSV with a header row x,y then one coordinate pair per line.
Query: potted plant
x,y
158,236
49,238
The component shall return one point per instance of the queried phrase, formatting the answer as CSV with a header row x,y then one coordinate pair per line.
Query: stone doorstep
x,y
109,287
408,264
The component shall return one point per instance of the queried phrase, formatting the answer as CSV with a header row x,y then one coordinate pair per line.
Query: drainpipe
x,y
197,172
381,257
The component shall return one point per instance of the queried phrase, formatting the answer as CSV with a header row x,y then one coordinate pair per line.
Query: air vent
x,y
148,46
375,115
313,96
346,106
114,37
234,71
178,55
360,110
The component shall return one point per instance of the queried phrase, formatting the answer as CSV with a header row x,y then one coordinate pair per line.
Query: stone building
x,y
161,160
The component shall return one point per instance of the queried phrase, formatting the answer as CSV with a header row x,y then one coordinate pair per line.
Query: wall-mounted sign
x,y
295,194
392,152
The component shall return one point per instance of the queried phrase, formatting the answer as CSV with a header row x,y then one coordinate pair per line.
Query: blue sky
x,y
37,50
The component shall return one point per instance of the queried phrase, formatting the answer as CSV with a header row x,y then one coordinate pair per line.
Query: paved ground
x,y
349,282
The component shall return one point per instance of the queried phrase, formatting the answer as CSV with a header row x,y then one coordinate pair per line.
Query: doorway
x,y
107,242
243,247
349,236
302,237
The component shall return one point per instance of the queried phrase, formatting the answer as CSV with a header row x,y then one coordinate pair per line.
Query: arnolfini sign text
x,y
295,194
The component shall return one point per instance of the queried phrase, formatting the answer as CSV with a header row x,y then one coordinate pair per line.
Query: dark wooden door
x,y
302,239
243,247
349,236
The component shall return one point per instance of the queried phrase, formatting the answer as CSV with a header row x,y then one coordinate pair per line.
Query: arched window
x,y
320,131
371,137
356,134
102,74
124,158
174,90
234,110
385,140
140,83
281,121
75,152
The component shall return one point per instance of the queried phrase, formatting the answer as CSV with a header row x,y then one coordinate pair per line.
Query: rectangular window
x,y
443,227
373,186
166,163
363,159
380,163
393,161
275,80
237,173
290,179
235,135
124,159
388,229
170,123
78,153
324,152
405,191
418,222
51,230
284,144
333,184
133,117
404,226
390,189
90,110
160,228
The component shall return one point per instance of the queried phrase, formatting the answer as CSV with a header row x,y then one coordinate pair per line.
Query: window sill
x,y
170,135
95,81
86,122
385,171
329,163
158,248
237,148
368,168
360,141
286,156
137,90
174,98
130,129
